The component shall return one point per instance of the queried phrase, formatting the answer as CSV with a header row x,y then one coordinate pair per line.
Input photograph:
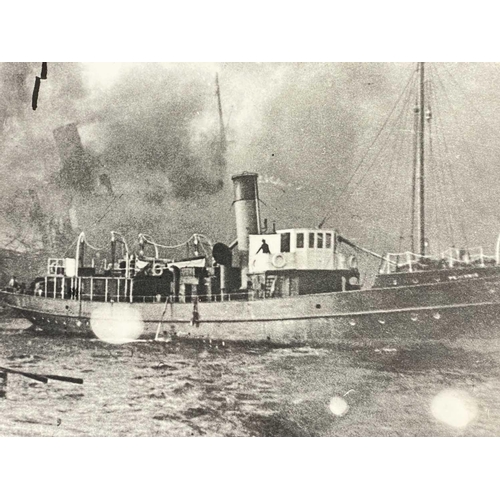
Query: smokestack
x,y
246,207
77,171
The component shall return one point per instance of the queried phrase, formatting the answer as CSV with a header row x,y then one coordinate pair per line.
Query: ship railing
x,y
85,289
475,255
77,293
395,262
452,257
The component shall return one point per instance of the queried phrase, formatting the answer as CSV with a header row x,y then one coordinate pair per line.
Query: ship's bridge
x,y
295,249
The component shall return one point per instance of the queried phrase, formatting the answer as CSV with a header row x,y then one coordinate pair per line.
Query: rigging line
x,y
396,151
446,158
382,146
436,199
400,123
413,206
93,248
450,169
398,158
437,174
445,226
412,77
389,135
115,198
448,213
172,247
433,160
413,163
74,242
470,102
436,210
431,153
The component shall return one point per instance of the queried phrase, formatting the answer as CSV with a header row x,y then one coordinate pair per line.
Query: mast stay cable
x,y
327,216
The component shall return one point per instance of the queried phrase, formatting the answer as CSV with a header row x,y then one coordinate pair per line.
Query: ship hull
x,y
469,309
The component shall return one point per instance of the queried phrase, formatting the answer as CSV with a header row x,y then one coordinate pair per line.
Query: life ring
x,y
352,262
157,269
278,260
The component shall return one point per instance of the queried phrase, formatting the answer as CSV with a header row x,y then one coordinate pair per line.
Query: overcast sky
x,y
303,127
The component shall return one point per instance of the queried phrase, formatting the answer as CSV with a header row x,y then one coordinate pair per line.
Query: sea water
x,y
164,389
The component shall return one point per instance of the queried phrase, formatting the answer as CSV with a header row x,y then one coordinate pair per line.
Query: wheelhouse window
x,y
285,242
328,242
320,240
311,240
300,240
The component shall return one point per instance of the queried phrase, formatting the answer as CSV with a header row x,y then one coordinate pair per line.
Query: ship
x,y
281,287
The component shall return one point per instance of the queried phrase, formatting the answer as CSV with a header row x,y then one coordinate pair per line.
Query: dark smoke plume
x,y
154,133
154,120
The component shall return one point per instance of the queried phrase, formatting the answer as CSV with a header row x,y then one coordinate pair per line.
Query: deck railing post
x,y
408,258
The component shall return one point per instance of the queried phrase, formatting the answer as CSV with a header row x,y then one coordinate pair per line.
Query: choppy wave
x,y
160,389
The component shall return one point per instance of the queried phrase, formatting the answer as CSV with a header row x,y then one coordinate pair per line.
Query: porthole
x,y
352,322
381,321
414,316
394,282
318,306
78,323
414,281
436,315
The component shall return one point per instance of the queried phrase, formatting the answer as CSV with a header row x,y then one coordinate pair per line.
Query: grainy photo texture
x,y
249,249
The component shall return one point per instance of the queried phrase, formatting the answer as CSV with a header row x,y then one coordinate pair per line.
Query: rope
x,y
344,191
450,170
471,102
171,247
93,248
115,198
74,243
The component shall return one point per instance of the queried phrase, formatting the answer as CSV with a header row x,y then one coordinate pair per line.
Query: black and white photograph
x,y
293,237
250,249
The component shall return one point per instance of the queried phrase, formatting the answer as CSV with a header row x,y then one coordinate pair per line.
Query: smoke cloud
x,y
152,159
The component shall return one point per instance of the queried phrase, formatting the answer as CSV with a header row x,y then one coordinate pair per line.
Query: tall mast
x,y
420,155
223,142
